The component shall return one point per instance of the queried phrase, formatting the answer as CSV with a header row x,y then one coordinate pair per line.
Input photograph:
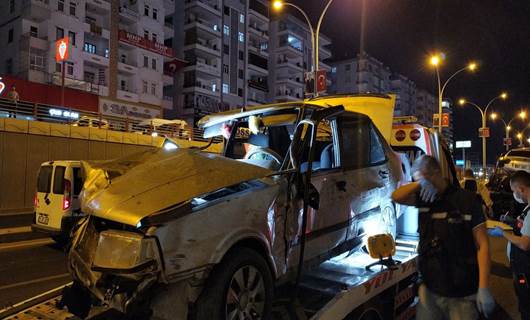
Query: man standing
x,y
453,259
13,96
471,184
519,242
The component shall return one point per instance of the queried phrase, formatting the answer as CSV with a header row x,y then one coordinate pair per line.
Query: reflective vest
x,y
447,252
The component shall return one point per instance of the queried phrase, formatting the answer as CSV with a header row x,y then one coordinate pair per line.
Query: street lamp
x,y
483,114
520,137
507,126
435,61
278,5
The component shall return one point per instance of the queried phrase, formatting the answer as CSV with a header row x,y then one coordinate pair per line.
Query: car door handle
x,y
383,174
341,185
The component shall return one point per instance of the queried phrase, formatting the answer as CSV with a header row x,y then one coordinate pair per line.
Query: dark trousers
x,y
522,290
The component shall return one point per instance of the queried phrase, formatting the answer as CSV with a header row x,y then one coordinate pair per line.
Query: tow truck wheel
x,y
240,287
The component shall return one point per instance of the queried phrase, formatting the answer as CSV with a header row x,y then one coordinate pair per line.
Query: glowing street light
x,y
483,113
277,4
435,61
507,125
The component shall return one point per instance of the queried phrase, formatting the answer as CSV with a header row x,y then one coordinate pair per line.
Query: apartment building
x,y
117,50
291,57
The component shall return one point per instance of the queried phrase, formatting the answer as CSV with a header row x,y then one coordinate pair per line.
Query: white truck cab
x,y
56,202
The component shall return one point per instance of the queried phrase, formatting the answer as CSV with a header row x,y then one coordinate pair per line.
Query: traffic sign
x,y
445,120
484,132
463,144
507,141
62,49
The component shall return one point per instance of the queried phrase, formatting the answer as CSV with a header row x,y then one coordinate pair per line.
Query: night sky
x,y
402,33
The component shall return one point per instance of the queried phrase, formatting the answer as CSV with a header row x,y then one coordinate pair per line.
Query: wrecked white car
x,y
185,234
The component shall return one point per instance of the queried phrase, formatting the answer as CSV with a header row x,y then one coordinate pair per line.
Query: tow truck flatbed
x,y
339,288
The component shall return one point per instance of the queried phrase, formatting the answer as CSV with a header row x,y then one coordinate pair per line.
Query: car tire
x,y
223,297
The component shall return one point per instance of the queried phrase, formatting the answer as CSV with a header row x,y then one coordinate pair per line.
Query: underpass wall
x,y
24,145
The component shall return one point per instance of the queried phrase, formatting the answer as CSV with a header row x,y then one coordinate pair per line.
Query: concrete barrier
x,y
24,145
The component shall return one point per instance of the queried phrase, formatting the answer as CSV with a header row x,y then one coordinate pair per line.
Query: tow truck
x,y
355,285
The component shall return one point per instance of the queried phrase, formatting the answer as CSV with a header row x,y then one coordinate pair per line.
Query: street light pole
x,y
317,44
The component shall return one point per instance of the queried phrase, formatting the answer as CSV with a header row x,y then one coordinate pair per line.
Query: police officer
x,y
453,259
519,242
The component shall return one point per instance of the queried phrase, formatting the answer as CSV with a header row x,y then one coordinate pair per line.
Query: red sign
x,y
507,141
62,49
145,43
484,132
415,134
171,67
321,81
445,120
400,135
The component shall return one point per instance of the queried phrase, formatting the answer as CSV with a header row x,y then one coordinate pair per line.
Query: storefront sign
x,y
145,43
123,110
2,86
62,49
463,144
58,113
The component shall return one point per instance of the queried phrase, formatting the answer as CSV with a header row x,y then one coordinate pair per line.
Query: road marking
x,y
25,244
15,230
24,283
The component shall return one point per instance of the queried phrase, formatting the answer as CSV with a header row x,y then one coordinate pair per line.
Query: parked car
x,y
163,127
56,201
181,231
86,121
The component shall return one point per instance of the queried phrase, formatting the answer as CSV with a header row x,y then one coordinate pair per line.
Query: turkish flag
x,y
321,81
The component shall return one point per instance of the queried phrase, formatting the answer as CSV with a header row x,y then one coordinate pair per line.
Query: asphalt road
x,y
32,268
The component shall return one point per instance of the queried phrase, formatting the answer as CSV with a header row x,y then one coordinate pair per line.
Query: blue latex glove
x,y
428,191
496,232
485,302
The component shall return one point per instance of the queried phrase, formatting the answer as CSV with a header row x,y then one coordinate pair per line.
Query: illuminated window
x,y
241,37
226,88
226,30
242,18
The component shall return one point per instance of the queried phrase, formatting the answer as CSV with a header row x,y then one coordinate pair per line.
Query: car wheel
x,y
239,288
389,220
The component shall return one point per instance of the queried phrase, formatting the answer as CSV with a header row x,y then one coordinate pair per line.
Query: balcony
x,y
98,6
95,29
127,68
201,87
38,10
211,6
288,96
167,102
259,10
127,94
254,29
286,63
259,85
211,49
128,16
292,81
35,42
207,26
207,69
95,59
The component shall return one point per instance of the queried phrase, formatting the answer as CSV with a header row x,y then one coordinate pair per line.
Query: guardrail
x,y
55,114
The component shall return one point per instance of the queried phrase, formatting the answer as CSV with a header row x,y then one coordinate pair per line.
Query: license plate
x,y
43,218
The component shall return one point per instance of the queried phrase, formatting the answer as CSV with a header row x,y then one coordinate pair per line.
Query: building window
x,y
123,85
153,64
347,67
34,31
123,58
146,62
226,30
71,35
72,8
59,33
154,37
241,55
89,47
241,37
11,6
240,73
153,89
106,53
226,88
10,36
146,10
225,68
9,66
60,5
242,18
58,67
227,10
240,92
146,34
144,86
226,49
70,68
333,69
155,14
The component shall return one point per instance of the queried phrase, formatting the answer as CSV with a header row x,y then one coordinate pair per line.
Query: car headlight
x,y
121,250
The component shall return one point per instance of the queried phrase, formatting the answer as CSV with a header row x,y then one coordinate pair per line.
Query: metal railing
x,y
55,114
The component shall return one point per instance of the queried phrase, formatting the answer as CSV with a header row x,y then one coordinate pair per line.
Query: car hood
x,y
136,186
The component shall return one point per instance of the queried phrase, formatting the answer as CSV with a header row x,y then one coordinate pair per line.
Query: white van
x,y
56,202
